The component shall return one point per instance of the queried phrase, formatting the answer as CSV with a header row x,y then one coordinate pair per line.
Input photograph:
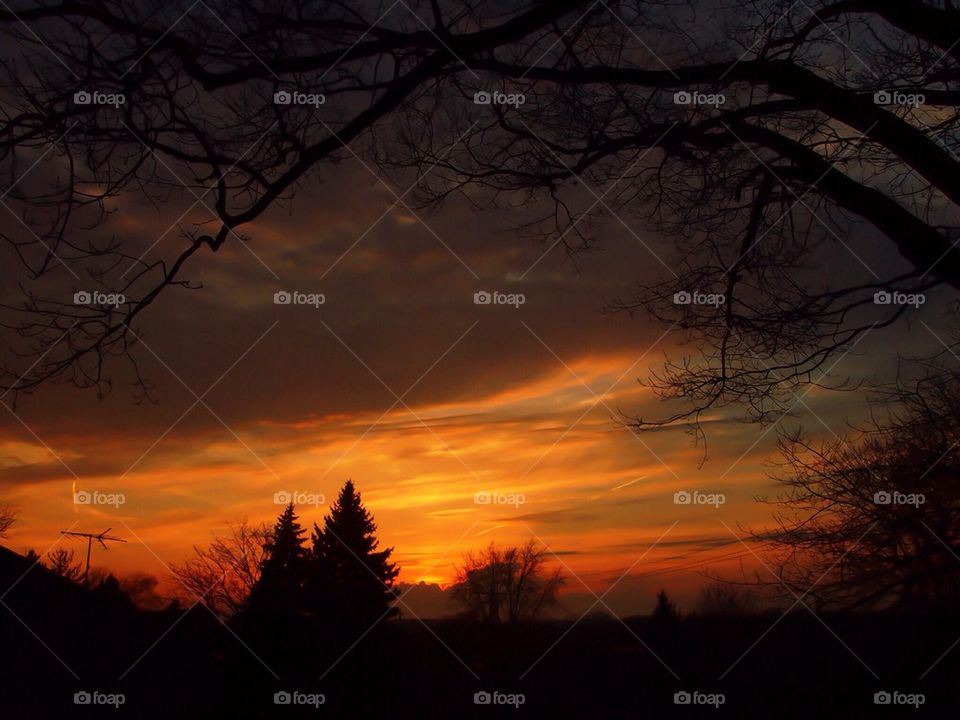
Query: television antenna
x,y
100,538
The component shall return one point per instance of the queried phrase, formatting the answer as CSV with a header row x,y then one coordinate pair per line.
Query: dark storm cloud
x,y
395,297
398,297
573,515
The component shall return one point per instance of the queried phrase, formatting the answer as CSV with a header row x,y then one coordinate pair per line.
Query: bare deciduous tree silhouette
x,y
756,143
874,521
8,516
63,562
198,122
722,599
224,572
507,584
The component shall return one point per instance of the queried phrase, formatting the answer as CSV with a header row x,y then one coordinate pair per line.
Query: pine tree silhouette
x,y
281,585
665,611
350,579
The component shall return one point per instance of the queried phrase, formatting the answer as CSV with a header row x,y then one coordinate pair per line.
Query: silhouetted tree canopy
x,y
820,135
874,520
722,599
224,572
63,562
7,517
507,584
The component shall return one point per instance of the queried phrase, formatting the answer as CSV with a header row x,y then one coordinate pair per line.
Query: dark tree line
x,y
254,573
339,573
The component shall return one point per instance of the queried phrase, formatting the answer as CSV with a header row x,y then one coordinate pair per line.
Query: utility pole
x,y
100,538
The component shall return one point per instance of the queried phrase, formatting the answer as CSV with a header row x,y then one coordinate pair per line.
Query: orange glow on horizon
x,y
543,459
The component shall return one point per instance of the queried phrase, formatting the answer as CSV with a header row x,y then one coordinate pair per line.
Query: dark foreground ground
x,y
172,664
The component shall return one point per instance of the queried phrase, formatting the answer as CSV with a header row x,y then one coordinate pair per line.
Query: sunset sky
x,y
491,399
402,358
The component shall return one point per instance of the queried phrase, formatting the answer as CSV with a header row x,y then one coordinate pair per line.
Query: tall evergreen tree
x,y
350,578
665,611
281,584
